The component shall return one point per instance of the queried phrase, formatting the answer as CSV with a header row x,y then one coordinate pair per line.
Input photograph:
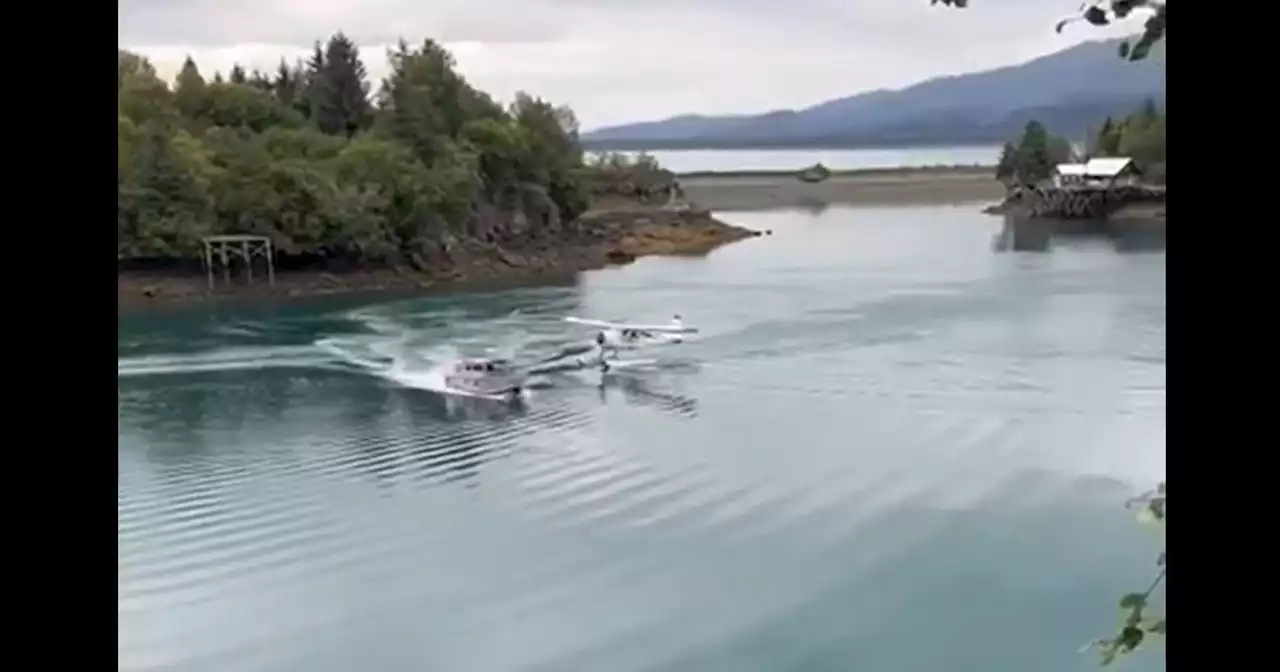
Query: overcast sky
x,y
615,61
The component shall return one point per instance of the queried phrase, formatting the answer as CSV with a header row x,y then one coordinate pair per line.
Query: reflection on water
x,y
637,390
1025,234
882,452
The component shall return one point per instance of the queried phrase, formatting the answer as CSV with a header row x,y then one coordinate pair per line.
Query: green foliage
x,y
305,157
1005,166
1034,157
1104,12
632,177
1140,622
336,92
1140,136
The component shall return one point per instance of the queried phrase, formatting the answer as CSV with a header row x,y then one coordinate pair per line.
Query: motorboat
x,y
496,379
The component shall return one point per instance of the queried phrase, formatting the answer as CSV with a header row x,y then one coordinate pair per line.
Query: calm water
x,y
892,449
693,160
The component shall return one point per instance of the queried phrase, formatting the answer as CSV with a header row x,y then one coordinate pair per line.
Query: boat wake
x,y
394,351
395,361
227,359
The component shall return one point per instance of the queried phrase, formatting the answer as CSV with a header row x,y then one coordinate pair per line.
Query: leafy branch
x,y
1104,12
1138,625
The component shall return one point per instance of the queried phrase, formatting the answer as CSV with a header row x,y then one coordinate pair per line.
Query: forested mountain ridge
x,y
1070,90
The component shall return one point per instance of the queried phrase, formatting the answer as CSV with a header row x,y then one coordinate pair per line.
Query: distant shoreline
x,y
915,171
782,146
728,191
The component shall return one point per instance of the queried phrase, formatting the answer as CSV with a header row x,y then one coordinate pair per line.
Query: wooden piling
x,y
246,247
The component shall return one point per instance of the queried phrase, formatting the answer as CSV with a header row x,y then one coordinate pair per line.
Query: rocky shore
x,y
599,238
1121,206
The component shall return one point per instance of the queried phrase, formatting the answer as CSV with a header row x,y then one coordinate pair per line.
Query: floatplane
x,y
623,336
613,337
501,380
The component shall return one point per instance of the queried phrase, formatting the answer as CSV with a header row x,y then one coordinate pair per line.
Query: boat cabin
x,y
484,365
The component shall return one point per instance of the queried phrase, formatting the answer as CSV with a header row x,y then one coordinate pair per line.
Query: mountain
x,y
1070,91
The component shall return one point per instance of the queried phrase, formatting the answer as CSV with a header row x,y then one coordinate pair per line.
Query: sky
x,y
618,61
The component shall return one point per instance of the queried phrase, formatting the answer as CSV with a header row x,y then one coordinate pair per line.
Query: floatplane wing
x,y
654,328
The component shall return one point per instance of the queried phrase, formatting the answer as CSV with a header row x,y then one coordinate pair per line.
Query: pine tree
x,y
189,88
260,81
287,86
1033,160
1100,143
337,92
1008,157
237,75
1148,113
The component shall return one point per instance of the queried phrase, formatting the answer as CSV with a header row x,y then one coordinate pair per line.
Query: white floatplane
x,y
602,351
495,379
625,336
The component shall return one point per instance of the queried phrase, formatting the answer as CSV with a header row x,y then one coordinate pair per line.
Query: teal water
x,y
891,449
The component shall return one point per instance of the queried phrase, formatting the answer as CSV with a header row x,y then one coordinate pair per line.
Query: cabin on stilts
x,y
1099,173
226,248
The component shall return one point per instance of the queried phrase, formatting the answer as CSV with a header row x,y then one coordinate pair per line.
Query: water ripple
x,y
869,438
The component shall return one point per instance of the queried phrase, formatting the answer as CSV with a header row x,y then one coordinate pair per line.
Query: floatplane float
x,y
500,380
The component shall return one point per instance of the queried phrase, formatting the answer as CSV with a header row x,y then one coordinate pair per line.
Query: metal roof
x,y
1071,169
1107,167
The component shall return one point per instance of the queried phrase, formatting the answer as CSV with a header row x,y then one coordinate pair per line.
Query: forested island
x,y
423,180
1139,136
1027,167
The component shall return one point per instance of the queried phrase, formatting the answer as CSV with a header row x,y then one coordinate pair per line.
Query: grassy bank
x,y
764,190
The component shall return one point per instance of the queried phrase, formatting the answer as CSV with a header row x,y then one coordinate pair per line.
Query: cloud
x,y
621,60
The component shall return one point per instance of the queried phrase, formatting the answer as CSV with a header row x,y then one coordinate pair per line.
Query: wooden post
x,y
226,268
248,261
208,262
271,264
246,247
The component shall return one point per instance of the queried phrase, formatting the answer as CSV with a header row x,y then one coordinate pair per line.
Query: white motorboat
x,y
495,379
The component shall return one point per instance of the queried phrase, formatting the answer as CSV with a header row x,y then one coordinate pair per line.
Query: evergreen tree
x,y
260,81
1005,167
1148,114
189,88
237,75
289,87
1104,141
1060,151
1033,162
206,158
337,91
